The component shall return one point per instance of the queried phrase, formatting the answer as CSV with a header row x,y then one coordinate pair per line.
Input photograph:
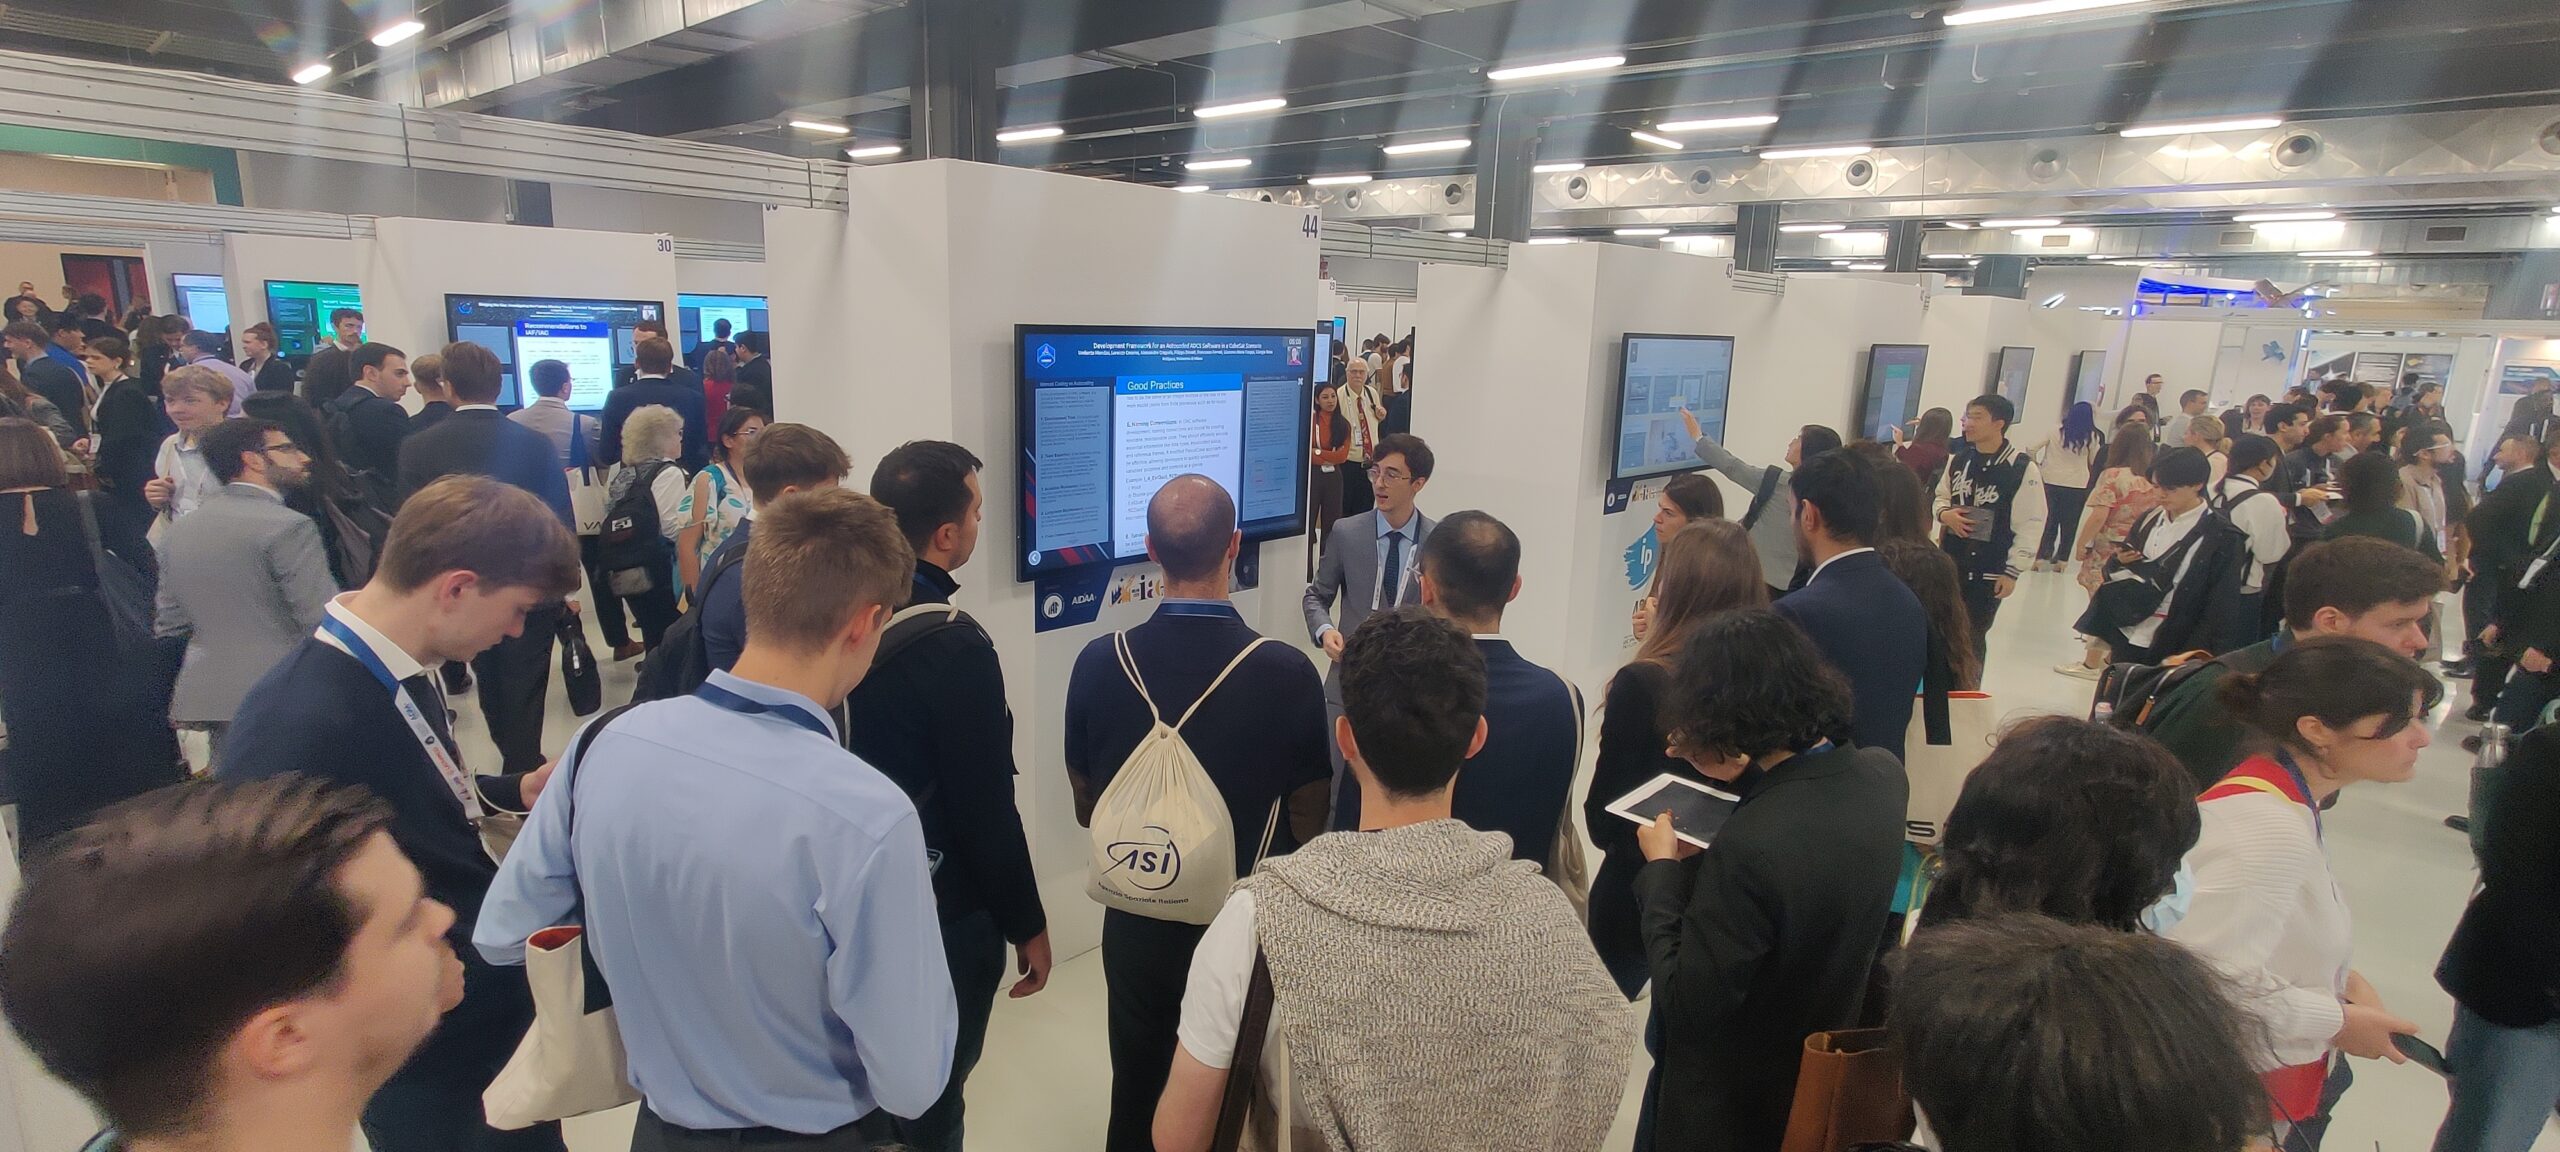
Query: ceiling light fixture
x,y
2031,9
1716,125
1019,135
1811,227
1239,108
1851,234
1643,232
1816,153
1557,68
1331,181
2336,255
397,33
2042,222
1544,240
310,72
822,126
1842,263
1959,225
1455,235
2281,217
1866,267
2075,234
2246,124
1423,147
873,151
1577,166
1191,188
1225,165
1657,141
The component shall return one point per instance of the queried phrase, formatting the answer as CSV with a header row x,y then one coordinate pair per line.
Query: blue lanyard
x,y
362,651
1220,610
720,697
2284,759
1816,750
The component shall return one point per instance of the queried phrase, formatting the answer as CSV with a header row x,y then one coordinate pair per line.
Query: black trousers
x,y
2062,507
608,606
432,1104
1145,966
975,951
2489,662
515,685
1982,604
650,1134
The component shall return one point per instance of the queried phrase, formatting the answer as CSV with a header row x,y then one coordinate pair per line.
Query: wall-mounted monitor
x,y
1324,352
593,337
201,300
2010,373
1660,376
698,320
2088,379
1104,416
300,310
1891,393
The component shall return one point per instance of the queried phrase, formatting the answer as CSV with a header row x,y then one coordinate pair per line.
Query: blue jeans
x,y
2505,1082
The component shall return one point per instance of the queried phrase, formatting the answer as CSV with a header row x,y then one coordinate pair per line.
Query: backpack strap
x,y
1129,668
1212,689
1244,1070
1761,496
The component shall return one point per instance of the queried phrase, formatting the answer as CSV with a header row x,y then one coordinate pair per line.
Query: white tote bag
x,y
1163,845
571,1061
1937,768
586,482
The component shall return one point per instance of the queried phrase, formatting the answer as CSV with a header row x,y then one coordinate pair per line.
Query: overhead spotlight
x,y
2336,255
2042,222
1544,240
1240,108
1019,135
2029,10
1816,153
1811,227
2055,300
1656,141
310,72
1959,225
1577,166
1226,164
2245,124
1191,188
2281,217
1331,181
1718,124
2555,209
1423,147
873,151
1557,68
397,33
822,126
1642,232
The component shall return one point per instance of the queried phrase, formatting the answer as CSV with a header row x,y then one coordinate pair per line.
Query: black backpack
x,y
682,659
629,541
2129,693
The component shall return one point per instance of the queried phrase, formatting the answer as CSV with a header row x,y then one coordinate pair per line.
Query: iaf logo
x,y
1150,865
1053,607
1045,355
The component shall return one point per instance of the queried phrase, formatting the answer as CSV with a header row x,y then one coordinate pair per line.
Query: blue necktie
x,y
1393,577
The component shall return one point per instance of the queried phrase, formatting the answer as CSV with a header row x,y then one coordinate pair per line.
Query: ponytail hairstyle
x,y
2337,680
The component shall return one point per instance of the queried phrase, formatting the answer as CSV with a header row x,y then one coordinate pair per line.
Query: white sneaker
x,y
2079,671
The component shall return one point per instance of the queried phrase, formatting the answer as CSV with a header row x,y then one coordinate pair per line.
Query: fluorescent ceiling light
x,y
397,33
874,151
1717,124
1240,108
1455,235
1816,153
1852,234
1959,225
1228,164
2248,124
1576,166
1330,181
1018,135
1557,68
2325,255
1553,240
1866,267
1656,141
1191,188
2072,233
2046,222
822,126
2281,217
2029,10
310,72
1420,147
1842,263
1811,227
1946,256
1643,232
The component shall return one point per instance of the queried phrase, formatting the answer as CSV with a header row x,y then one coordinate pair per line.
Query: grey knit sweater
x,y
1436,994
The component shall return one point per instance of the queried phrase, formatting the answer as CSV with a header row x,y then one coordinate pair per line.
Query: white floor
x,y
1045,1081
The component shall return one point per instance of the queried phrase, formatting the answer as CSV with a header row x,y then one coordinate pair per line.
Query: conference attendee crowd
x,y
795,859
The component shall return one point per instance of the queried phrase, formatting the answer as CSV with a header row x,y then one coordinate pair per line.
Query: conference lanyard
x,y
447,764
723,698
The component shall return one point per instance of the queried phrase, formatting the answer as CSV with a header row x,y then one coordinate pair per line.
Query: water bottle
x,y
2485,768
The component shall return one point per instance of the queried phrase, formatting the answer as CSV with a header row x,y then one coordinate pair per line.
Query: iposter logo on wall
x,y
1638,559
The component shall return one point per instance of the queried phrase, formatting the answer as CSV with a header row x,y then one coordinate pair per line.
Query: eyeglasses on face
x,y
1378,473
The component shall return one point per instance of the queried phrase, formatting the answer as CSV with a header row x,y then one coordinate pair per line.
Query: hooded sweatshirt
x,y
1436,994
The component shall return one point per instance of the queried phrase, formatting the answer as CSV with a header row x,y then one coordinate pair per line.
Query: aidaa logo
x,y
1150,865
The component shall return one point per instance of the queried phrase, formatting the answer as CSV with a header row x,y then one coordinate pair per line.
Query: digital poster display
x,y
1891,392
300,310
595,338
1659,377
2009,375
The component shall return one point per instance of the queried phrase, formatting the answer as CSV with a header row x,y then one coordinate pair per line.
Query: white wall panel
x,y
415,263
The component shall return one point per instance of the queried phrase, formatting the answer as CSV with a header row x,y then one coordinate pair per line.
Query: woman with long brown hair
x,y
1707,567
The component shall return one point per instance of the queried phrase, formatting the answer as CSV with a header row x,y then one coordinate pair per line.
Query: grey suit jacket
x,y
244,579
1349,573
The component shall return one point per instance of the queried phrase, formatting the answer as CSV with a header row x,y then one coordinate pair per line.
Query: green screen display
x,y
300,311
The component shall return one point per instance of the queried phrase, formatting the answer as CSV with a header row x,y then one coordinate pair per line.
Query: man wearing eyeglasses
x,y
244,578
1368,568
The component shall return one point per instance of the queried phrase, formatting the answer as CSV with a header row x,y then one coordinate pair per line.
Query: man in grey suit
x,y
243,579
1370,566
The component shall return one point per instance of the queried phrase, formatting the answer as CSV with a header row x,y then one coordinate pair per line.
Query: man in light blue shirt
x,y
757,898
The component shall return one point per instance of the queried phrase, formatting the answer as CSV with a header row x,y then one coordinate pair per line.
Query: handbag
x,y
586,492
1950,734
571,1061
127,598
578,671
1566,863
1848,1092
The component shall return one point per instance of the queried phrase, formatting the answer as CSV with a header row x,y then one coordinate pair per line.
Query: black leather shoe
x,y
2479,712
2457,669
2458,823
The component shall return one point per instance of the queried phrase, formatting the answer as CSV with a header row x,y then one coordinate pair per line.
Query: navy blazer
x,y
1521,781
1874,631
482,442
685,399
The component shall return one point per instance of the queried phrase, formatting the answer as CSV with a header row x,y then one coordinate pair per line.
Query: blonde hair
x,y
647,429
199,379
1707,567
819,559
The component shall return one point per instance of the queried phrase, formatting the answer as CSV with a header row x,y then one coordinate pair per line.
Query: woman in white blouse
x,y
2267,910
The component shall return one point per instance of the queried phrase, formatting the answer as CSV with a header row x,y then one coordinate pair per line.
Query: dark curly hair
x,y
1748,683
2078,821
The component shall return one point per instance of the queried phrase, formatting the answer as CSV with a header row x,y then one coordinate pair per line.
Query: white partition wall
x,y
414,263
894,321
250,260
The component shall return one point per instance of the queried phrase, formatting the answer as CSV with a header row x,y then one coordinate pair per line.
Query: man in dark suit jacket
x,y
2498,527
1521,780
1867,624
656,384
515,673
45,376
333,708
2521,534
267,371
754,387
366,421
329,372
1261,737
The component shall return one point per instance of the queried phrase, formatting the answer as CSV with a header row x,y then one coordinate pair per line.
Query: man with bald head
x,y
1261,735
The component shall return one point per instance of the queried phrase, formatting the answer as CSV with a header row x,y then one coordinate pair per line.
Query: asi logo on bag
x,y
1150,865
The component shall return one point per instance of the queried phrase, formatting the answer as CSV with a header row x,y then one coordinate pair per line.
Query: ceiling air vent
x,y
2054,241
2448,234
2238,238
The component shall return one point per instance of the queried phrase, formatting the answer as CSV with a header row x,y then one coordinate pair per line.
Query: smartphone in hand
x,y
2422,1054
